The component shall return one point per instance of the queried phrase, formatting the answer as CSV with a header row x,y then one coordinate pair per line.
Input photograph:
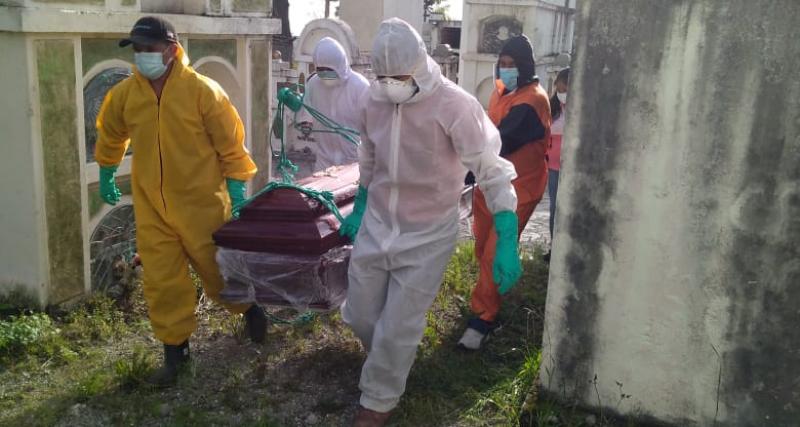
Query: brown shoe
x,y
369,418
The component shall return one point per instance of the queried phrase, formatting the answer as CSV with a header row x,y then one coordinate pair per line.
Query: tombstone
x,y
447,58
439,33
674,290
318,29
488,24
58,238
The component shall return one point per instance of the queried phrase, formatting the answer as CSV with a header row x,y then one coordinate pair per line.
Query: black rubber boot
x,y
256,321
175,358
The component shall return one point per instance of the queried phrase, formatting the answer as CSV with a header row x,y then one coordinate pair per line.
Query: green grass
x,y
31,338
131,372
450,386
86,367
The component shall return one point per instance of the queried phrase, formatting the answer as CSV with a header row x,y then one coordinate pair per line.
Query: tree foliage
x,y
434,6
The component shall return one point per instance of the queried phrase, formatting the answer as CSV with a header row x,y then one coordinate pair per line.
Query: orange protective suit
x,y
529,161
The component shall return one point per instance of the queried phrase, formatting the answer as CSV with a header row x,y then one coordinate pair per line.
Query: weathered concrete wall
x,y
251,6
676,264
96,50
74,2
228,8
260,60
62,167
412,11
223,48
51,54
22,254
364,17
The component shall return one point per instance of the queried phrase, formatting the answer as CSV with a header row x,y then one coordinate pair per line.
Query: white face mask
x,y
562,96
398,91
150,64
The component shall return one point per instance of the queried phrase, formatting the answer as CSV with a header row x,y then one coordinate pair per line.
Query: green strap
x,y
349,134
324,197
287,169
295,101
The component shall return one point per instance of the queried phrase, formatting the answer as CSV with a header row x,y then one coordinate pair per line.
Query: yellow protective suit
x,y
184,147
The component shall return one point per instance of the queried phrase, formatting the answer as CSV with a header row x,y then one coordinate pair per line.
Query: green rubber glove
x,y
507,268
236,191
352,223
108,185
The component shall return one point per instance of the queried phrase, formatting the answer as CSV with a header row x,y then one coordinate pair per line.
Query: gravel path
x,y
536,232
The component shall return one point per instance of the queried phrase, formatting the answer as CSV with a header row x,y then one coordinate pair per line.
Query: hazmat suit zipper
x,y
394,160
160,155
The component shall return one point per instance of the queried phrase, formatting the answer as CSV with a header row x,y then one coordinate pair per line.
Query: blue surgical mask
x,y
150,64
509,77
328,75
329,78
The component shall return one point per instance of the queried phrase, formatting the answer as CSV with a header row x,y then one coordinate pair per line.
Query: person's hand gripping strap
x,y
352,223
236,191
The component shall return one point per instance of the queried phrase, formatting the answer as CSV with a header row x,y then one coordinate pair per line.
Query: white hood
x,y
331,54
399,50
339,102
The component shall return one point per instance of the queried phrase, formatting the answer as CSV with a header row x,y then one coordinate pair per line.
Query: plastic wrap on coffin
x,y
301,281
285,248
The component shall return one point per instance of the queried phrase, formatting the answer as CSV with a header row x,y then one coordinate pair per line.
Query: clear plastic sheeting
x,y
304,282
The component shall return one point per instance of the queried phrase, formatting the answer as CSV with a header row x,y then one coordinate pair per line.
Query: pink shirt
x,y
556,132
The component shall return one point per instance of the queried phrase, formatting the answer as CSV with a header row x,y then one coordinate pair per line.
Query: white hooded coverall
x,y
339,103
413,159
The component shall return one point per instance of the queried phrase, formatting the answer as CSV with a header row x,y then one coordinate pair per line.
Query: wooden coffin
x,y
286,221
285,248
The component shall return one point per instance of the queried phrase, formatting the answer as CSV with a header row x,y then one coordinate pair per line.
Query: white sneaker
x,y
472,339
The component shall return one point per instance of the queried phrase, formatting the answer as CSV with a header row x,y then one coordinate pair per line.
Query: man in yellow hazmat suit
x,y
189,165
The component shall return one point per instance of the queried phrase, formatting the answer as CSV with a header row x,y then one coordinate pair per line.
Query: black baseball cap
x,y
150,30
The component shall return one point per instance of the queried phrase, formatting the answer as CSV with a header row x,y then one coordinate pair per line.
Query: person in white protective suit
x,y
334,91
419,134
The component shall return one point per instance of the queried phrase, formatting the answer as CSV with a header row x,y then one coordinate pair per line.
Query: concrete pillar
x,y
675,282
364,17
412,11
23,252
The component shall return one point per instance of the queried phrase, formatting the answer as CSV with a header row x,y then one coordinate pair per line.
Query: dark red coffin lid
x,y
293,206
286,221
